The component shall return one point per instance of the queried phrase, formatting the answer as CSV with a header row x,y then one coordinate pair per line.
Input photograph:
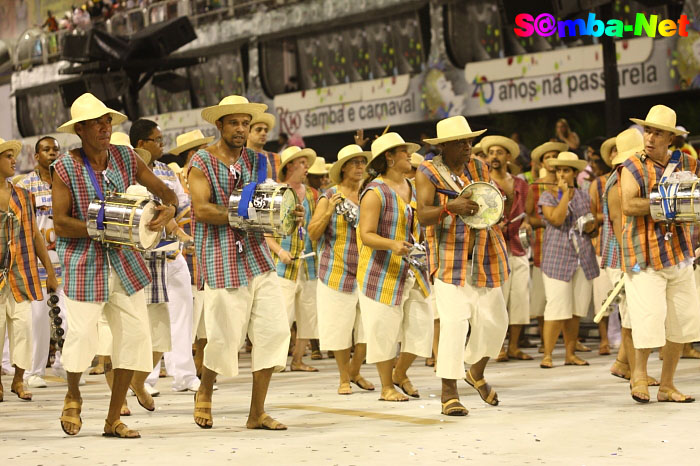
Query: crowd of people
x,y
394,255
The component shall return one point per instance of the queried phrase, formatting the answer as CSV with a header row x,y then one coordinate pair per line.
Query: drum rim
x,y
473,224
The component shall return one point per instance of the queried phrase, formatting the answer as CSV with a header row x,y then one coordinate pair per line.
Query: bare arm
x,y
530,207
321,218
593,194
632,204
64,224
155,186
200,191
429,214
615,212
370,209
557,215
43,254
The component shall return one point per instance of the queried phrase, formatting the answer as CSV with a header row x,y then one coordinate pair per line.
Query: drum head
x,y
147,237
490,205
287,220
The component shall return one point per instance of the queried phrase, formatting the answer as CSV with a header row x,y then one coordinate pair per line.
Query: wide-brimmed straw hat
x,y
542,149
189,140
266,118
477,149
232,105
453,129
568,159
606,150
660,117
122,139
507,143
344,155
319,167
416,159
389,141
628,142
13,145
292,153
88,107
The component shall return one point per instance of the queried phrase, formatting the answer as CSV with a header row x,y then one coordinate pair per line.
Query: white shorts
x,y
614,275
538,299
17,319
338,315
198,327
567,299
516,290
299,298
159,318
602,286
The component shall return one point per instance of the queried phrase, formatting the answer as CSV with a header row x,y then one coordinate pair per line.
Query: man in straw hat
x,y
657,258
98,278
501,151
468,265
297,273
21,243
237,274
317,177
260,126
540,155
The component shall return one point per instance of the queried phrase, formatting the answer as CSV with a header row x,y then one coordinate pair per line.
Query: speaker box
x,y
161,39
96,45
106,87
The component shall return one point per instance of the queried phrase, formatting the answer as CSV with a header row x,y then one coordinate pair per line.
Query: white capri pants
x,y
462,307
127,321
567,299
41,334
253,309
410,323
17,319
516,290
338,315
538,299
299,298
663,305
602,285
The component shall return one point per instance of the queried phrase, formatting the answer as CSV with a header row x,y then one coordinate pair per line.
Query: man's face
x,y
258,134
545,160
154,143
461,148
7,164
234,129
656,141
96,132
498,157
297,170
48,152
678,141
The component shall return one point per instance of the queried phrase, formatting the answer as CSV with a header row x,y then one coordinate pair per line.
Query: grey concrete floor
x,y
566,415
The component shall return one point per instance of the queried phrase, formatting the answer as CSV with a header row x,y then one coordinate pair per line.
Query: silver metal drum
x,y
349,210
583,221
682,198
125,223
417,257
273,207
524,238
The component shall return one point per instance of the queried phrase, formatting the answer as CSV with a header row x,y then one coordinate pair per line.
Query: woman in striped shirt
x,y
336,293
393,292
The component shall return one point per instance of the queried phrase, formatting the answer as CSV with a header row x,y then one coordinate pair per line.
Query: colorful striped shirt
x,y
338,251
299,243
87,263
536,191
561,256
643,240
600,186
511,233
274,161
609,247
41,192
449,240
17,251
228,258
382,273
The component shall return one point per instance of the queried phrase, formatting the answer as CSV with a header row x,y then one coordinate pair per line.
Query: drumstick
x,y
515,219
304,256
613,294
385,130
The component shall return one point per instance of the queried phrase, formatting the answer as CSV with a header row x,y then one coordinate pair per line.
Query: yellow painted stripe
x,y
369,414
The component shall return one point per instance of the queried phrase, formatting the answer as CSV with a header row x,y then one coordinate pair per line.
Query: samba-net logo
x,y
546,25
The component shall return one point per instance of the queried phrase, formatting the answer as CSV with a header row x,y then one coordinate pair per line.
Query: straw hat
x,y
345,154
606,150
177,169
477,149
292,153
568,159
628,142
122,139
389,141
542,149
319,167
190,140
416,159
88,107
328,167
660,117
683,131
507,143
232,105
13,145
267,118
453,129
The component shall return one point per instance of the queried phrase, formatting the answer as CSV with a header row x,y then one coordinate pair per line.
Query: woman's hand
x,y
284,256
400,248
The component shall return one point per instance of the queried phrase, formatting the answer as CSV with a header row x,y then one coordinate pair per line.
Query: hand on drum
x,y
462,205
299,214
400,248
335,199
527,227
284,256
164,215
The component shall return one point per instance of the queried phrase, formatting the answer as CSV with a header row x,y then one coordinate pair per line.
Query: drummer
x,y
22,243
516,290
468,265
568,261
97,277
392,292
298,276
241,290
659,283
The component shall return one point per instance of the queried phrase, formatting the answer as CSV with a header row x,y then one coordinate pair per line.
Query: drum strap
x,y
668,193
249,189
98,190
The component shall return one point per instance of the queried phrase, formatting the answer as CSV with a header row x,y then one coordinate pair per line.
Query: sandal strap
x,y
492,395
203,404
73,405
203,415
72,419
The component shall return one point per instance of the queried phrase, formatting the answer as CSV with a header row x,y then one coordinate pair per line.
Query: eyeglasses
x,y
158,140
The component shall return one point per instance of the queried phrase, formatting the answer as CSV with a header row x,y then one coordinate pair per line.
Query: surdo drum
x,y
677,201
271,210
126,219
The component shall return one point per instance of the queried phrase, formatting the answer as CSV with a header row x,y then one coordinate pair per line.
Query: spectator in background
x,y
524,151
680,142
564,133
50,22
